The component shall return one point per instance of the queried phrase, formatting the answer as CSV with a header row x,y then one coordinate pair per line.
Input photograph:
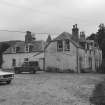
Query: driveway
x,y
50,89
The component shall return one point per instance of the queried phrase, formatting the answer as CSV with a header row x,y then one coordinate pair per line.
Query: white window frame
x,y
67,45
14,49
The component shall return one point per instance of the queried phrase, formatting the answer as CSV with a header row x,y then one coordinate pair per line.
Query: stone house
x,y
72,52
28,50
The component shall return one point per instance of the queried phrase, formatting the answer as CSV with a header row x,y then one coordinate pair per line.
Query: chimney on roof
x,y
28,37
75,33
82,35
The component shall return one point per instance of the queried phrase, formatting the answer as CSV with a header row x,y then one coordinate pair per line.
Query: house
x,y
93,55
24,51
72,52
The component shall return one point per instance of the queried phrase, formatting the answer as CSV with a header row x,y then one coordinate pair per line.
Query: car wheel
x,y
9,81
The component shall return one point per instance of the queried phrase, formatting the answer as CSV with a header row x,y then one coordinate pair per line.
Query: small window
x,y
60,46
30,48
87,46
14,50
27,48
67,45
25,59
13,62
17,49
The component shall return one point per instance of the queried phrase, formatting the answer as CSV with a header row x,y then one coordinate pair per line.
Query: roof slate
x,y
66,35
37,46
63,36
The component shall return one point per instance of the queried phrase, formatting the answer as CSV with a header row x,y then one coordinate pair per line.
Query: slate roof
x,y
37,46
63,36
66,35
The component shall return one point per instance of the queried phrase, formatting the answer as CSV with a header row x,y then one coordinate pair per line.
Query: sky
x,y
49,16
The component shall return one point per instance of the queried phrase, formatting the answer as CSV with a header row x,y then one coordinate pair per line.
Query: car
x,y
6,77
30,67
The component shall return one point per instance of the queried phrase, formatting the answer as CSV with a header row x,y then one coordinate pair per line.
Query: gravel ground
x,y
50,89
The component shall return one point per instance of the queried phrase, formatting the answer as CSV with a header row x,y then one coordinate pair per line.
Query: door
x,y
90,63
80,63
13,62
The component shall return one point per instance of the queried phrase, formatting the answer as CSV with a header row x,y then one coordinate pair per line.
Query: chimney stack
x,y
82,36
75,33
28,37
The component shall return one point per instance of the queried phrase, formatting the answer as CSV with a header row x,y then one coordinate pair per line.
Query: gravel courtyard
x,y
50,89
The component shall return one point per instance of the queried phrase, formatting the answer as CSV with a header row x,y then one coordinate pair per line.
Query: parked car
x,y
6,77
30,67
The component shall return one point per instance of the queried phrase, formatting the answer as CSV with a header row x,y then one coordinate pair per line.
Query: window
x,y
87,46
27,48
67,45
17,49
30,48
13,62
59,46
25,59
14,50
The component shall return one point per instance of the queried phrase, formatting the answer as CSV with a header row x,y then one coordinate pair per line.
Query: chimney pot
x,y
75,25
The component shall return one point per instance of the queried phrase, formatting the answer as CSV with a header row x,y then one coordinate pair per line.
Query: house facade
x,y
66,52
25,51
72,52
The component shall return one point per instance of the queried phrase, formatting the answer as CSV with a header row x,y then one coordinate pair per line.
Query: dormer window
x,y
67,45
60,45
30,48
14,49
17,49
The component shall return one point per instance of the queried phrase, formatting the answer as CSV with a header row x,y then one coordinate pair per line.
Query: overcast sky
x,y
49,16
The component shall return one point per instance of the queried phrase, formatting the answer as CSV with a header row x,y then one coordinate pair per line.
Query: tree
x,y
3,48
93,36
101,35
101,43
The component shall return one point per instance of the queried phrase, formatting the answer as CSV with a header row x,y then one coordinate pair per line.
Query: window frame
x,y
30,48
67,45
60,46
17,49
